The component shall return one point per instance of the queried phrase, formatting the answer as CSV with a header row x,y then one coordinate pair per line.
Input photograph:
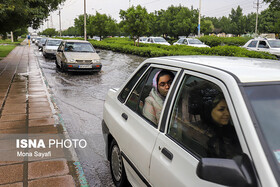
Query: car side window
x,y
253,44
200,120
181,41
147,100
124,93
263,44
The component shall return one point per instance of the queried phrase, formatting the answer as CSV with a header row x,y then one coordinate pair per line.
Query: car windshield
x,y
265,101
160,40
195,41
78,47
53,42
274,43
43,40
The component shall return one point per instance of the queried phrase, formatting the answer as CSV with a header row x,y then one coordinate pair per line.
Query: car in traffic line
x,y
41,43
142,39
50,47
269,45
77,55
190,42
218,123
156,40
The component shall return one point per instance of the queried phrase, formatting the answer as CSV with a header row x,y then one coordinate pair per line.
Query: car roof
x,y
80,41
53,39
155,37
264,39
246,70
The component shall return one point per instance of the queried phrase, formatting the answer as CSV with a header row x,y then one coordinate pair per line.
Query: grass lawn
x,y
8,41
5,50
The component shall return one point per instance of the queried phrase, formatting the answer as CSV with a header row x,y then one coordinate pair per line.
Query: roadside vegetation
x,y
6,46
8,41
125,45
5,50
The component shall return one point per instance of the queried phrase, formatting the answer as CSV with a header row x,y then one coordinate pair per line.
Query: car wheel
x,y
116,165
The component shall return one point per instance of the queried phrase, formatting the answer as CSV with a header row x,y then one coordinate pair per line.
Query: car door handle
x,y
124,116
167,153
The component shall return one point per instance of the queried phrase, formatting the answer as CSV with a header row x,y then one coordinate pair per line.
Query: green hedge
x,y
156,50
213,41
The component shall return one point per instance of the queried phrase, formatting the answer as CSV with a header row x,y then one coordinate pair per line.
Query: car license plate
x,y
85,66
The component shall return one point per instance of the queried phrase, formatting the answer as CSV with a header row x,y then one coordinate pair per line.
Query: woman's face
x,y
164,83
220,113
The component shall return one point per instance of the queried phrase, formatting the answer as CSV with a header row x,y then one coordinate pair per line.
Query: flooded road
x,y
80,98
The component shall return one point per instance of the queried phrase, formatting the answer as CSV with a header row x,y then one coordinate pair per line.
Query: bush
x,y
214,41
156,50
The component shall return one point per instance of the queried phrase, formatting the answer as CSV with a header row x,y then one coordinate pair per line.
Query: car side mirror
x,y
229,172
97,51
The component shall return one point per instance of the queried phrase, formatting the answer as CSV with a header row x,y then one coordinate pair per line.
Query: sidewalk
x,y
26,109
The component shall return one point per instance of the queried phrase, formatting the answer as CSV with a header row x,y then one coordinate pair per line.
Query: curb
x,y
59,121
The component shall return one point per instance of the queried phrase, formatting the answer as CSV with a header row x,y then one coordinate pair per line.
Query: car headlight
x,y
96,60
72,60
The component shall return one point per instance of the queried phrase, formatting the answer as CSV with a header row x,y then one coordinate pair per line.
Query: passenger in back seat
x,y
154,102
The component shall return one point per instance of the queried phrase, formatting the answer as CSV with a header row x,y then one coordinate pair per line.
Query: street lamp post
x,y
198,27
85,21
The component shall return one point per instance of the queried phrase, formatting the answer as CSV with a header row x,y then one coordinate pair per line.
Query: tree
x,y
49,32
79,24
206,26
274,4
225,24
19,32
237,21
250,23
102,25
71,31
269,21
30,13
182,21
175,21
135,21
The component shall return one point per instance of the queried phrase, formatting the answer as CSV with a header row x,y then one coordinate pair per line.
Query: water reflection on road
x,y
80,98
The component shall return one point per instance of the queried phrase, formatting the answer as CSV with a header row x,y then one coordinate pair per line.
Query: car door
x,y
138,138
60,56
185,138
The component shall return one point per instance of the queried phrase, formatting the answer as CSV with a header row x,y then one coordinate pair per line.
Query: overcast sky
x,y
213,8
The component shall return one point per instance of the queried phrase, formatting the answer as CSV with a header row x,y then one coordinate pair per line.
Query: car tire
x,y
116,165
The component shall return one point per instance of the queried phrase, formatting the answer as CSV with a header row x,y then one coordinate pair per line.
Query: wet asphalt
x,y
80,98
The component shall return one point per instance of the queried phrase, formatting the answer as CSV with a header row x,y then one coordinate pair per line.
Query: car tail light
x,y
70,66
98,66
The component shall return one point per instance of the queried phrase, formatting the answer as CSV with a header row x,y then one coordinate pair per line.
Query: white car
x,y
77,55
190,42
142,40
191,145
157,40
50,47
271,46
